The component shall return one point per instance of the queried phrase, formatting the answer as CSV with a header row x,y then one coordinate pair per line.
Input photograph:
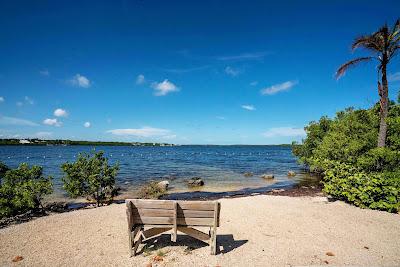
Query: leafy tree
x,y
3,169
23,189
90,177
343,150
383,46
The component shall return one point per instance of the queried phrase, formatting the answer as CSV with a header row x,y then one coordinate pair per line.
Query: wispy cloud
x,y
186,70
52,122
277,88
164,88
29,100
4,120
232,71
220,117
248,107
44,72
394,77
60,112
43,135
80,81
87,124
2,99
140,79
284,131
244,56
141,132
254,83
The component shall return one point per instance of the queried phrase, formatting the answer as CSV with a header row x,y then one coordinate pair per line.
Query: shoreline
x,y
278,189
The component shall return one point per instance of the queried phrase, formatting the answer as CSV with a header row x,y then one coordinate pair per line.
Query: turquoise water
x,y
221,167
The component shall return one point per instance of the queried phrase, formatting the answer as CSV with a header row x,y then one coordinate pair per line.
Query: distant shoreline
x,y
61,142
66,142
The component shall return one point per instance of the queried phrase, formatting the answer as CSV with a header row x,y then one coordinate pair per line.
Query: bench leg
x,y
213,242
137,231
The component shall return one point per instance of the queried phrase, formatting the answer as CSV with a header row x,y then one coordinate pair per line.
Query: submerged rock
x,y
163,185
195,181
291,173
248,174
268,176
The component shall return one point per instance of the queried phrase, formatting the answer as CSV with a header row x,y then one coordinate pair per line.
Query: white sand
x,y
255,231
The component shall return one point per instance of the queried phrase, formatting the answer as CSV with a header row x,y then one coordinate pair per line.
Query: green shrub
x,y
22,190
90,177
367,190
3,169
344,150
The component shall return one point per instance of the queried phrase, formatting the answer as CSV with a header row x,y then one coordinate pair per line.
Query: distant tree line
x,y
61,142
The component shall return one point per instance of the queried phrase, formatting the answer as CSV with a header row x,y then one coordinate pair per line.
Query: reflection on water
x,y
221,167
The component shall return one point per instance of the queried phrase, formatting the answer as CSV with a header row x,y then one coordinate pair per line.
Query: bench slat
x,y
195,213
152,204
195,221
154,220
196,205
153,213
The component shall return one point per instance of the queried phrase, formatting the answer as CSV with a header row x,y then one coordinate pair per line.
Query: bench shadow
x,y
228,243
225,243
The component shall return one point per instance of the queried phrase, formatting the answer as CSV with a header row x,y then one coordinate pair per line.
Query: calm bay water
x,y
221,167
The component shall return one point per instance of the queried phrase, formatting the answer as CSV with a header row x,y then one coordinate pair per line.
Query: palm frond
x,y
370,42
342,69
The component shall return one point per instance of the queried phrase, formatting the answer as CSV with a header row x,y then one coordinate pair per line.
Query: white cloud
x,y
19,104
80,81
52,122
248,107
394,77
60,112
231,71
164,88
220,118
244,56
44,72
140,79
2,99
141,132
43,134
29,100
254,83
276,88
87,124
284,131
4,120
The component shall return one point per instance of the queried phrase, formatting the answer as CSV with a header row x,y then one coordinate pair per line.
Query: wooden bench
x,y
163,215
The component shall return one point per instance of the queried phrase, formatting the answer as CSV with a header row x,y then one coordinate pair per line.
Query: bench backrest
x,y
171,212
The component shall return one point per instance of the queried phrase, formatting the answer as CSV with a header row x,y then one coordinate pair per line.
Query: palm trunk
x,y
384,104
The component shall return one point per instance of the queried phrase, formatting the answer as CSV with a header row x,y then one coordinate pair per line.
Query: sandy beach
x,y
255,231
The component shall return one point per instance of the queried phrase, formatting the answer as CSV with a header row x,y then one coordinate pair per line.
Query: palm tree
x,y
383,46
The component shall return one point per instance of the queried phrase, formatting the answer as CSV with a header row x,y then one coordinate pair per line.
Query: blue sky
x,y
205,72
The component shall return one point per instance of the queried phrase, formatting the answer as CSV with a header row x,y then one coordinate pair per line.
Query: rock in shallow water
x,y
247,174
196,181
291,173
163,185
268,176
